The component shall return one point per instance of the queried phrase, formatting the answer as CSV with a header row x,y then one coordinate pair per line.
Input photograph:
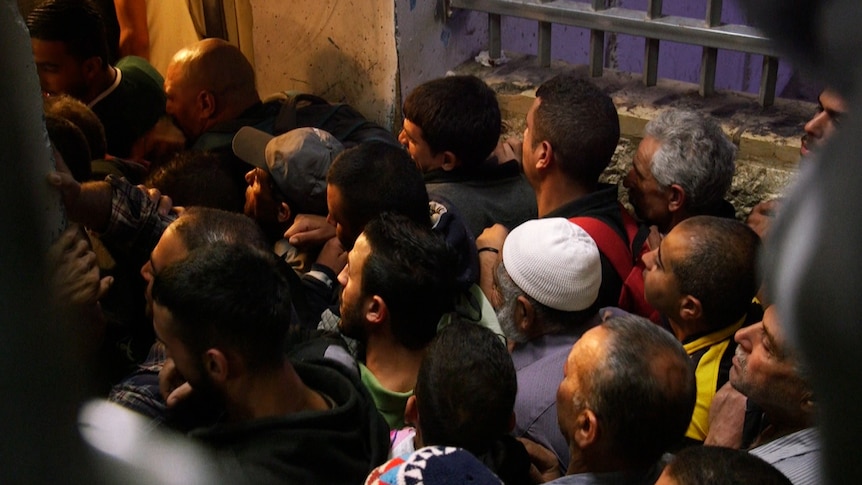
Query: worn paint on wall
x,y
343,50
429,44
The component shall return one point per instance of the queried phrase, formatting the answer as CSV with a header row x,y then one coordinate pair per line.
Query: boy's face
x,y
412,139
59,71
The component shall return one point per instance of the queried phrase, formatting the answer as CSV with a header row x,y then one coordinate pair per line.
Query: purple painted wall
x,y
734,71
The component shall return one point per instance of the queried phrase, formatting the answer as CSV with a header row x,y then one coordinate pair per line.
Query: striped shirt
x,y
796,455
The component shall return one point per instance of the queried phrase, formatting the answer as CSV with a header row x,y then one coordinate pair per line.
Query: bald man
x,y
211,93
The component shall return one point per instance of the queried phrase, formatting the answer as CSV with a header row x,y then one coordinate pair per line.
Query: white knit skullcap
x,y
555,262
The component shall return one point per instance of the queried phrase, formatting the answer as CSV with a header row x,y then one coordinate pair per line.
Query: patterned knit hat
x,y
433,465
555,262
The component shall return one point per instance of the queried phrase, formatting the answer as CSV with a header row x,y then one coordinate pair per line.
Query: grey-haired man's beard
x,y
505,315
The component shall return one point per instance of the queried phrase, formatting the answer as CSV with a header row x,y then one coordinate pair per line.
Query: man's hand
x,y
761,217
726,418
88,203
492,237
164,204
74,273
333,256
309,230
544,466
172,385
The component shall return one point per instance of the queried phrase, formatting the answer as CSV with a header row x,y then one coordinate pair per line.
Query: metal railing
x,y
651,24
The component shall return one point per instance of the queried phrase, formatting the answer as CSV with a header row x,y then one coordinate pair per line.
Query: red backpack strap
x,y
609,242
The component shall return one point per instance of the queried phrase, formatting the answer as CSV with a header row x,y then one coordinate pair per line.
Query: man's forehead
x,y
49,48
169,250
831,101
678,241
773,330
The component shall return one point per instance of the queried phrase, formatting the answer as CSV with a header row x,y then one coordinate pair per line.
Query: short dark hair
x,y
466,388
203,226
459,114
665,395
228,296
198,178
83,117
376,177
76,23
713,465
720,267
70,141
413,270
581,124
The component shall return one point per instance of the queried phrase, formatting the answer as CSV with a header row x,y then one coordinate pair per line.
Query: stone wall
x,y
768,138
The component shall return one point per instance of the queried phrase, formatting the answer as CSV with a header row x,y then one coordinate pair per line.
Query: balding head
x,y
625,360
206,83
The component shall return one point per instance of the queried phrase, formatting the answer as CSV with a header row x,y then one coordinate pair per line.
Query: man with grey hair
x,y
682,168
626,399
769,372
548,284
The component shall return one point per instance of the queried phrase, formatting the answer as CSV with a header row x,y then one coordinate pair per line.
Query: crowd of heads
x,y
389,273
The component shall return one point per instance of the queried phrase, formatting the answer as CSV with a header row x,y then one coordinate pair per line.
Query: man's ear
x,y
283,212
525,315
544,155
207,104
690,308
411,412
450,161
376,311
92,67
586,432
809,403
676,198
216,364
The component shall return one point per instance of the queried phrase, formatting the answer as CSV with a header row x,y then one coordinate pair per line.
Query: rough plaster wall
x,y
735,71
343,50
429,44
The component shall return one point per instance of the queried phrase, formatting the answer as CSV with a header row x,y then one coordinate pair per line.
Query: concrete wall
x,y
343,50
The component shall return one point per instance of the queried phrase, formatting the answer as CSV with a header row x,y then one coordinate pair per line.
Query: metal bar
x,y
631,22
495,47
650,75
710,54
713,13
707,71
651,46
768,78
597,44
544,44
597,53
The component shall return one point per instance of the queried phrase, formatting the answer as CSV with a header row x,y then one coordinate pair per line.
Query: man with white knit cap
x,y
548,283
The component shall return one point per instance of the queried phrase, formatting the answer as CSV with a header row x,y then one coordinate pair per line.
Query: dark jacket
x,y
488,194
338,446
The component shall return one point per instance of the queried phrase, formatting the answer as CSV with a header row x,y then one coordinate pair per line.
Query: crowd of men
x,y
426,310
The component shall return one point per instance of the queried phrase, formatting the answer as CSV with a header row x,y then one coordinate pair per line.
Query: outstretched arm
x,y
116,209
